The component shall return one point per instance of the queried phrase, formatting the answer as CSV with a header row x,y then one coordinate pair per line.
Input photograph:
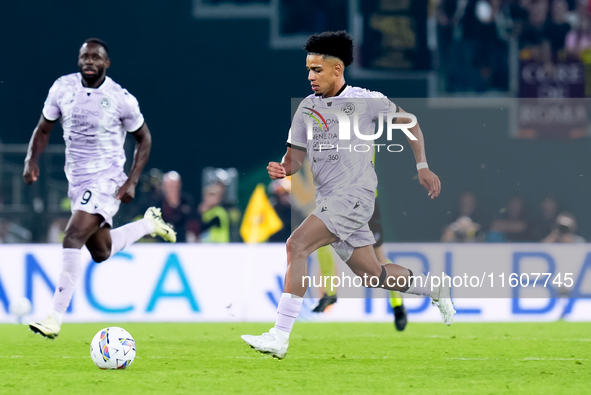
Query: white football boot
x,y
274,342
441,298
161,228
48,327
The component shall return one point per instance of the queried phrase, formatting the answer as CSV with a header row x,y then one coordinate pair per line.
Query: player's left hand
x,y
430,182
127,192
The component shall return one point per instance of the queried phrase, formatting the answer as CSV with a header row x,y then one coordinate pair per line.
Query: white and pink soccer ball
x,y
112,348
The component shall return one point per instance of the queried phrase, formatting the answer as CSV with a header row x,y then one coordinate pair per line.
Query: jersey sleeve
x,y
379,103
297,138
131,115
51,110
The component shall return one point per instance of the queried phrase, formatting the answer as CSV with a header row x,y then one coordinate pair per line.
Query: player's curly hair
x,y
338,44
99,42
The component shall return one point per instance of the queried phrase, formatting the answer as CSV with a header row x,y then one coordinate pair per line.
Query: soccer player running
x,y
95,113
345,190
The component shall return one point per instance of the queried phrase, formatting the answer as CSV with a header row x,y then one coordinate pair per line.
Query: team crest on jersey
x,y
104,103
348,108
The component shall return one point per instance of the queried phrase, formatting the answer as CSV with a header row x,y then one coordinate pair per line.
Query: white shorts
x,y
96,197
346,217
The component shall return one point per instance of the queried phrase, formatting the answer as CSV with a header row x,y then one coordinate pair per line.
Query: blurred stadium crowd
x,y
215,216
475,36
513,223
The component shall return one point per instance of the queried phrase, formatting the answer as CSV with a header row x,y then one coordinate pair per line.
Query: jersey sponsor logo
x,y
356,205
323,209
104,103
316,116
85,111
333,158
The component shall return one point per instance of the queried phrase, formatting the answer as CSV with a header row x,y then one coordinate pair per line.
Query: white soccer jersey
x,y
95,122
346,170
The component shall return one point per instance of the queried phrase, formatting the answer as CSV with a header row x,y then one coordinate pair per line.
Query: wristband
x,y
422,165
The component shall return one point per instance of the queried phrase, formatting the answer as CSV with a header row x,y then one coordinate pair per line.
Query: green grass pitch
x,y
339,358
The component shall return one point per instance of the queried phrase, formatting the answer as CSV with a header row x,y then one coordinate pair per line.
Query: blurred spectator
x,y
544,224
11,232
481,54
215,221
533,42
281,201
464,228
519,14
513,224
467,204
178,207
148,193
57,230
447,21
578,40
564,231
557,26
228,179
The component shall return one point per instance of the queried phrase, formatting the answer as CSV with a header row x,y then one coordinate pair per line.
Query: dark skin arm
x,y
290,164
427,178
37,144
143,144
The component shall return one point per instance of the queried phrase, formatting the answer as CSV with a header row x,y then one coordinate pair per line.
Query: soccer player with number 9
x,y
96,113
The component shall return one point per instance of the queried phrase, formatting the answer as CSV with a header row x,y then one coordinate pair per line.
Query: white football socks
x,y
57,316
287,312
71,270
420,285
126,235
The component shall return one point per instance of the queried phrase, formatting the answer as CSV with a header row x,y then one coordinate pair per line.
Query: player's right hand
x,y
276,170
430,182
31,172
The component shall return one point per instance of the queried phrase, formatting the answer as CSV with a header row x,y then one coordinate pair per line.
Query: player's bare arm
x,y
37,144
427,178
143,144
290,164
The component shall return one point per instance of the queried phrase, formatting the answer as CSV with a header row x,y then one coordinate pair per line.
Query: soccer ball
x,y
20,307
112,348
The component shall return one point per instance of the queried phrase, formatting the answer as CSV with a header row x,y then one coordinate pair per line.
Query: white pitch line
x,y
554,359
